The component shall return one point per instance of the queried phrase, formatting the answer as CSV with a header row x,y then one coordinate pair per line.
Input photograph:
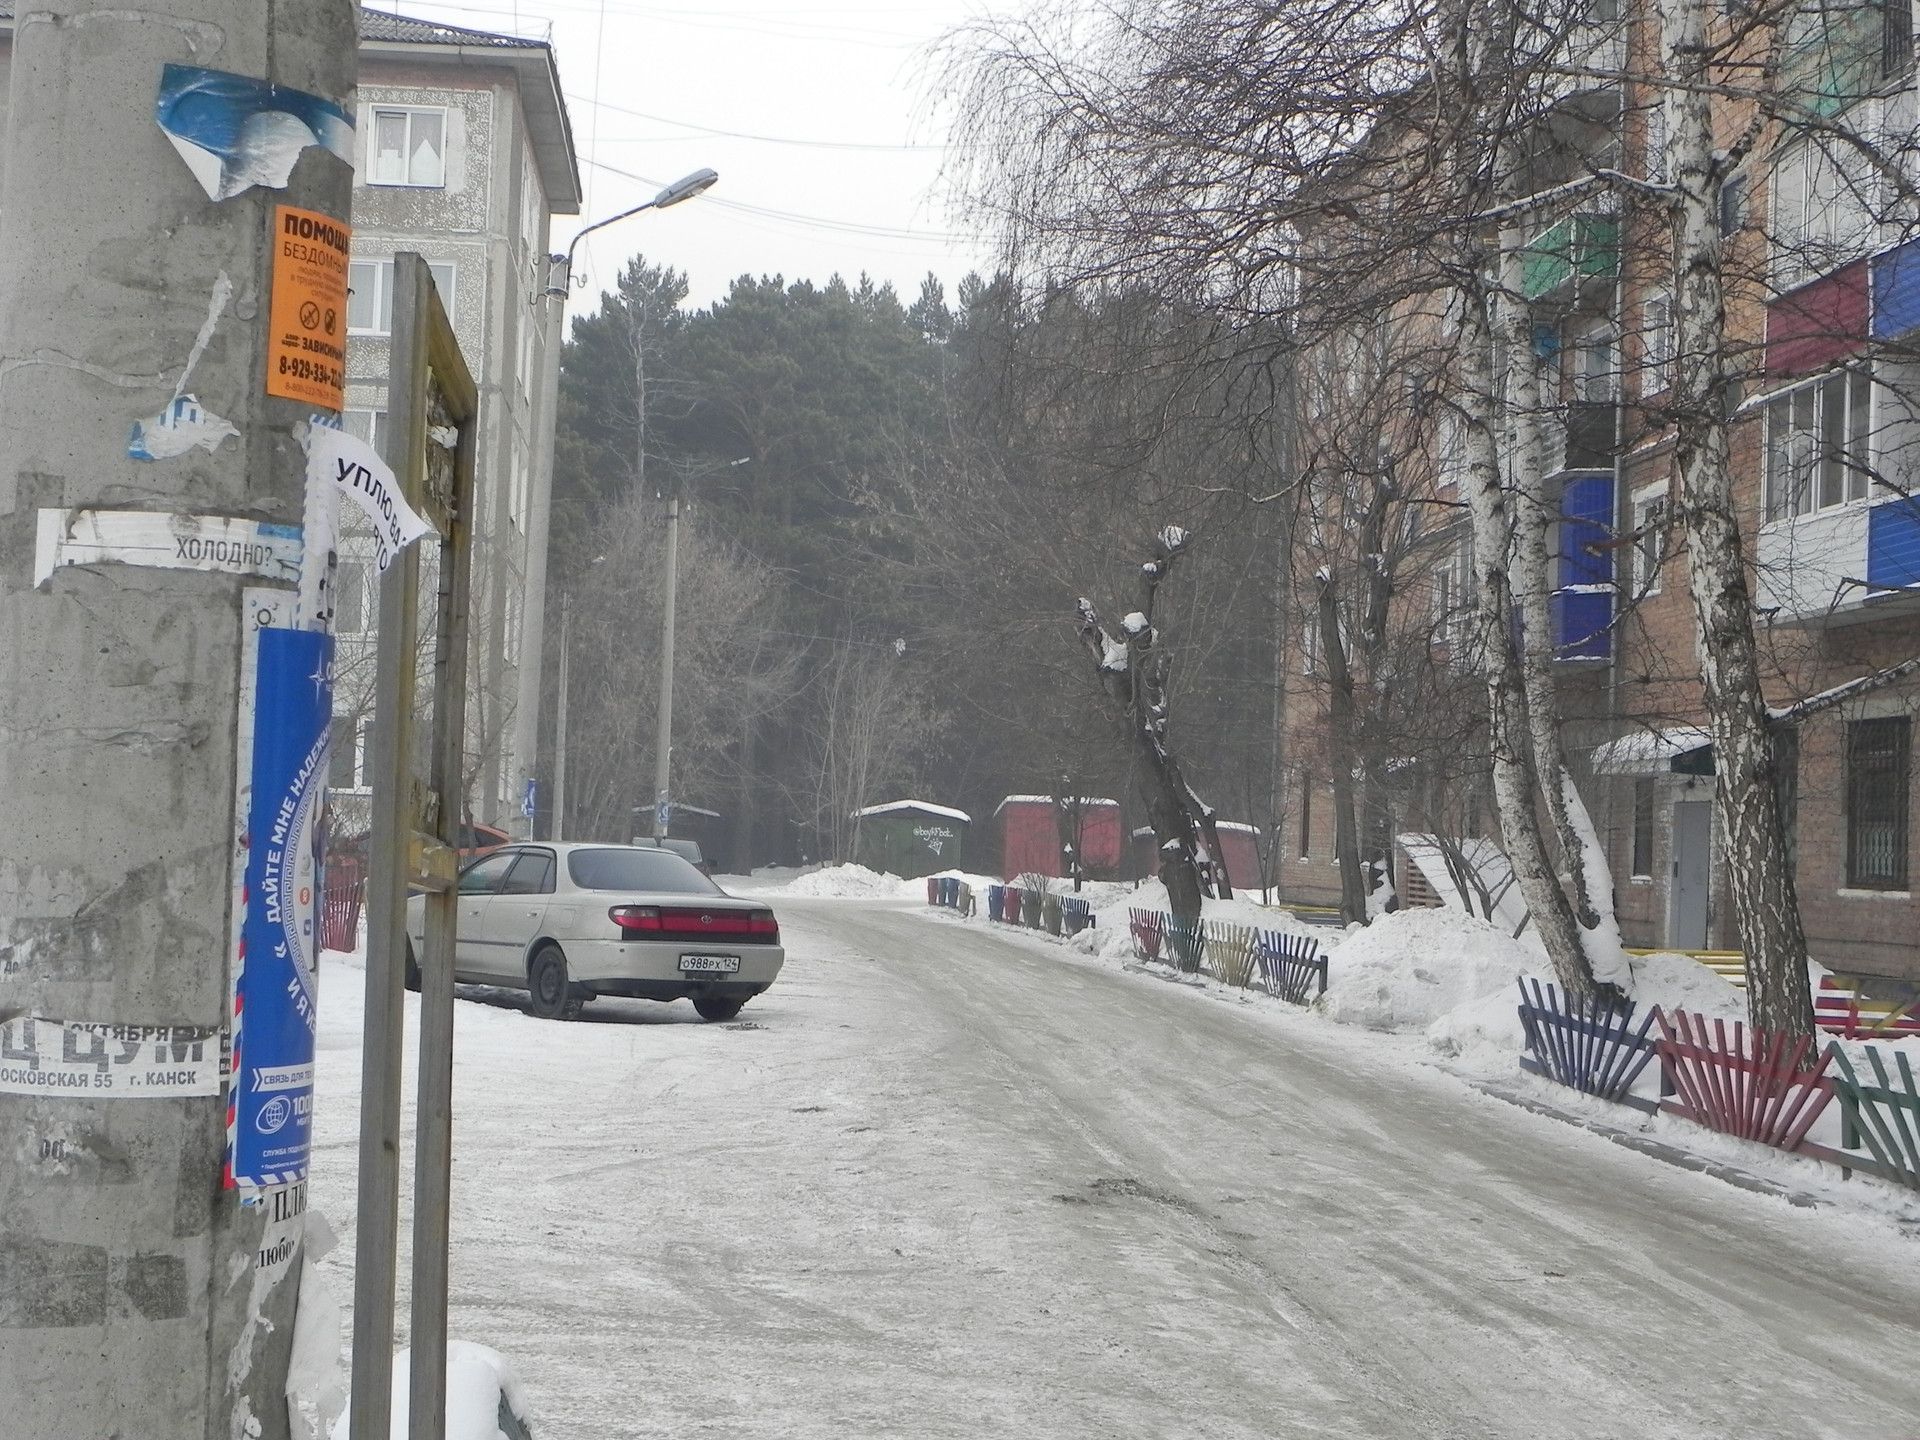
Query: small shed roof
x,y
1048,800
1650,752
893,807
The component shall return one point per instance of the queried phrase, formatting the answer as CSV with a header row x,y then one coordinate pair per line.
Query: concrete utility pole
x,y
558,828
138,1295
549,304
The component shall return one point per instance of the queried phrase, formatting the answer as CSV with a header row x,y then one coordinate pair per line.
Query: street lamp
x,y
533,619
663,741
685,188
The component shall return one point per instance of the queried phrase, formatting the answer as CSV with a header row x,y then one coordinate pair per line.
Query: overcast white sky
x,y
681,84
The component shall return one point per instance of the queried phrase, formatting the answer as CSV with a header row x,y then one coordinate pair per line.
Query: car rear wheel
x,y
718,1007
554,997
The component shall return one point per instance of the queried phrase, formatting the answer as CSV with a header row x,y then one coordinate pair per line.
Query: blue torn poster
x,y
270,1102
236,132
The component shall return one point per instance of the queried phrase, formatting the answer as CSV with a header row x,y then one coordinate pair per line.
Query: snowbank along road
x,y
943,1182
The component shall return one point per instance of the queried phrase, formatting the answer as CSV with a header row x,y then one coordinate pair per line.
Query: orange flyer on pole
x,y
307,346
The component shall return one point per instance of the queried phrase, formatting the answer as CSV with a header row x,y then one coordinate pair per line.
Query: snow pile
x,y
1408,969
846,882
1680,982
480,1384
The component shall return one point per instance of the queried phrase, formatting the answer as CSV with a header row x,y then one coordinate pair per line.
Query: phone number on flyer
x,y
298,369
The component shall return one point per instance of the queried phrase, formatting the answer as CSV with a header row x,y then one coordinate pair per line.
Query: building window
x,y
1597,360
1649,539
340,758
1306,817
1733,205
350,598
1877,752
1817,455
409,147
367,425
370,295
1656,342
1642,866
1656,147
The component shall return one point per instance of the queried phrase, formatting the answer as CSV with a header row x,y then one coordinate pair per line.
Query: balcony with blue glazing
x,y
1583,593
1842,565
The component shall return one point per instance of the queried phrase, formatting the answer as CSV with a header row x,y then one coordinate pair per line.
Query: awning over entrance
x,y
1682,750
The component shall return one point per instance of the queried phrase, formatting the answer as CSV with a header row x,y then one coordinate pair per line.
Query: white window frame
x,y
376,423
351,576
446,275
1596,377
408,181
1657,347
1822,200
1649,539
1805,470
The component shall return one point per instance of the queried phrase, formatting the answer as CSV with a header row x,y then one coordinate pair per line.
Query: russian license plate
x,y
709,964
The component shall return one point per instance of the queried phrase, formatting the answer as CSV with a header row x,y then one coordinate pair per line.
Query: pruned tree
x,y
1132,670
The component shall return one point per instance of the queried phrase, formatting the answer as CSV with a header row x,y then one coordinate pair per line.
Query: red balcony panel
x,y
1819,324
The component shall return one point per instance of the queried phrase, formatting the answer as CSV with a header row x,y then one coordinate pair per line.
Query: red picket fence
x,y
341,896
1760,1087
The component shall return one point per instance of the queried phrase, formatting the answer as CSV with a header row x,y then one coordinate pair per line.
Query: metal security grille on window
x,y
409,147
1877,752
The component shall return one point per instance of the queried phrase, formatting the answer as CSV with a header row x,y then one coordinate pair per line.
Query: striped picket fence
x,y
1289,967
1592,1047
1228,953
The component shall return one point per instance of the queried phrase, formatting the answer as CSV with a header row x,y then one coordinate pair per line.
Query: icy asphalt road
x,y
940,1182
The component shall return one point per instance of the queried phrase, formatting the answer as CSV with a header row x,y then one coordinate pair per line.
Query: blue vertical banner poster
x,y
270,1102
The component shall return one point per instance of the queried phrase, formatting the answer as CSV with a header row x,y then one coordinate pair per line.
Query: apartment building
x,y
1823,305
464,153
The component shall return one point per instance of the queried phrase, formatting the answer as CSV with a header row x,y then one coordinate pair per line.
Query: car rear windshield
x,y
661,871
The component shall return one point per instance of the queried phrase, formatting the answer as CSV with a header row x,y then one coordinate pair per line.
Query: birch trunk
x,y
1509,723
1746,797
1585,874
1340,722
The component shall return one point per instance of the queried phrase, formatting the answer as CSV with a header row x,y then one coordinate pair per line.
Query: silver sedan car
x,y
568,922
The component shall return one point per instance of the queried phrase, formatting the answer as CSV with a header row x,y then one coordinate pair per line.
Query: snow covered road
x,y
945,1182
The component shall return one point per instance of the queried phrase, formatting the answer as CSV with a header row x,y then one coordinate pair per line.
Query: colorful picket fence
x,y
1589,1046
342,894
950,893
1880,1117
1146,927
1840,1006
1758,1087
1289,967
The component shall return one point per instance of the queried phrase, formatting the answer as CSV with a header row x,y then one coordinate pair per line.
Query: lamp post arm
x,y
599,225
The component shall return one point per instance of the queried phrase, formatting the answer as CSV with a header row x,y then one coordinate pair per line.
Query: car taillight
x,y
761,922
636,917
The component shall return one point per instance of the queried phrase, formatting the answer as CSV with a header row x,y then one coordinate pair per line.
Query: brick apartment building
x,y
1824,305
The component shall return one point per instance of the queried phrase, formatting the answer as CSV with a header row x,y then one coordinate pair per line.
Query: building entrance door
x,y
1690,875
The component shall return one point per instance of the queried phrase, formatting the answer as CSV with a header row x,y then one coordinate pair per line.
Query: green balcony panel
x,y
1583,247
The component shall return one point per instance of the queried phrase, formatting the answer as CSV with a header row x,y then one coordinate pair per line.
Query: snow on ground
x,y
1440,988
842,882
1407,969
478,1381
952,1179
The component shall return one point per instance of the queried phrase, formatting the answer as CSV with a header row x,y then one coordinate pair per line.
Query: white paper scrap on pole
x,y
101,1061
163,541
356,467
